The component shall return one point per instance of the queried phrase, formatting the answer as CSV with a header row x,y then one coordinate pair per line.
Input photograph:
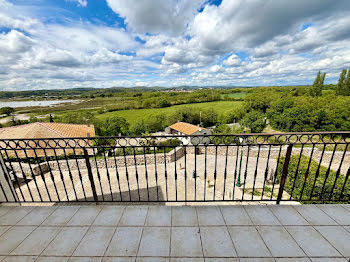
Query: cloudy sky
x,y
47,44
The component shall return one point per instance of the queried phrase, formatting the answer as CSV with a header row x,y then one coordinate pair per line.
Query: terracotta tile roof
x,y
186,128
46,130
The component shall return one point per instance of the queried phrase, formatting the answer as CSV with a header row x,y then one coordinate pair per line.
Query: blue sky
x,y
47,44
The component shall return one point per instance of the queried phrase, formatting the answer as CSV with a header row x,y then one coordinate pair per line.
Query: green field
x,y
133,115
234,95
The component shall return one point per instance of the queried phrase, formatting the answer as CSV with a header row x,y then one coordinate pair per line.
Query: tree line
x,y
342,88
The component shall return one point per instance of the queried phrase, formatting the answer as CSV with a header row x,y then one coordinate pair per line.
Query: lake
x,y
35,103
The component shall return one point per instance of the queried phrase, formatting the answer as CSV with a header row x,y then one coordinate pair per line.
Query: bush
x,y
114,126
302,114
255,121
308,178
7,110
235,115
139,128
164,103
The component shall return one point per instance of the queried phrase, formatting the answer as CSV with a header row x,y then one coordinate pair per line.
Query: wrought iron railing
x,y
304,167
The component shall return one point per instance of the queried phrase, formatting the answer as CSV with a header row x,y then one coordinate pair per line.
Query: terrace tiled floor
x,y
177,233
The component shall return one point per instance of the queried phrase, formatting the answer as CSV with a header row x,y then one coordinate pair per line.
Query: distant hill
x,y
57,93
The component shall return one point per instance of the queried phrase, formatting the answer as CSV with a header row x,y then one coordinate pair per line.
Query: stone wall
x,y
120,161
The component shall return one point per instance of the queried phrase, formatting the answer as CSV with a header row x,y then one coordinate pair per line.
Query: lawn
x,y
133,115
234,95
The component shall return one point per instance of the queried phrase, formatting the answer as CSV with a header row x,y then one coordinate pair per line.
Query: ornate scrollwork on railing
x,y
174,140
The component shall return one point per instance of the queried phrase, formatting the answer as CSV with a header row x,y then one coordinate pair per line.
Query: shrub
x,y
255,121
305,179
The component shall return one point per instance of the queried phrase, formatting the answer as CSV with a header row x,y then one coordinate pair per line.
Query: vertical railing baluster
x,y
225,174
25,177
79,173
256,171
136,174
146,171
235,174
195,173
205,171
165,175
98,173
107,172
344,185
284,173
215,171
117,174
185,171
90,175
42,175
276,172
245,172
317,172
126,172
15,176
70,174
296,171
306,175
328,171
31,171
51,174
266,172
175,173
155,170
61,174
338,172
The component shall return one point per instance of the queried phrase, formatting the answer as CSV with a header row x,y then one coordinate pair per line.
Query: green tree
x,y
155,123
260,100
84,117
7,110
164,103
255,120
139,128
114,126
340,90
317,86
235,115
208,117
347,84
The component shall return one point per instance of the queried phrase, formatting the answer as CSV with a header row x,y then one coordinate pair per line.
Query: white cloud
x,y
177,45
156,16
11,17
233,60
15,42
83,2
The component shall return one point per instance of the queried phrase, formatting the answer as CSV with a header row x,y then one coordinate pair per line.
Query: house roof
x,y
46,130
186,128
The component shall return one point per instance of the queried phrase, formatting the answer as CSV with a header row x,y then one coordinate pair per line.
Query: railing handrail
x,y
172,136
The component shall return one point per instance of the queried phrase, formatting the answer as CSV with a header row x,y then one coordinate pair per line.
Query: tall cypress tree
x,y
347,84
317,86
341,83
321,84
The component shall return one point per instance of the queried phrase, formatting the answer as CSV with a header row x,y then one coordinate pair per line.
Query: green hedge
x,y
309,177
